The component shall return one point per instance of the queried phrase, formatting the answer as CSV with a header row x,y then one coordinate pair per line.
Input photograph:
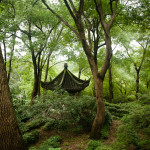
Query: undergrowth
x,y
76,115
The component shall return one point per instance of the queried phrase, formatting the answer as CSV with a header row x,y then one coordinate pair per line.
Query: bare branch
x,y
59,33
101,45
35,2
56,64
40,28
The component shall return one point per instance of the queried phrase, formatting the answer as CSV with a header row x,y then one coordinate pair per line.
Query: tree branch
x,y
100,12
61,19
81,7
113,14
101,45
72,6
89,31
70,11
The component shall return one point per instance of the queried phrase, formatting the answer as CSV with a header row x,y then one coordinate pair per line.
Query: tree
x,y
9,131
84,26
8,37
34,25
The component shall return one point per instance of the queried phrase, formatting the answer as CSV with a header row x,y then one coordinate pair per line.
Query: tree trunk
x,y
36,81
147,85
10,136
10,60
110,85
100,115
39,80
5,58
46,73
79,74
137,82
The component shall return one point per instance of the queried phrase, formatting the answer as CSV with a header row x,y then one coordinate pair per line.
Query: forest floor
x,y
79,141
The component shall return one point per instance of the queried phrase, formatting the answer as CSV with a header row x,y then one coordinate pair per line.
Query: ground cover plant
x,y
63,113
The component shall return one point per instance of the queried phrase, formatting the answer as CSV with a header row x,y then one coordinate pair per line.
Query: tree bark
x,y
10,60
137,82
5,58
100,115
10,136
79,74
36,80
46,73
110,86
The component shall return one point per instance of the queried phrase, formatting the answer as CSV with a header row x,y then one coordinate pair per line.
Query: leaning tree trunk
x,y
10,136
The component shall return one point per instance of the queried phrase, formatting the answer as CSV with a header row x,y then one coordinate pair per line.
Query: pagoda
x,y
67,81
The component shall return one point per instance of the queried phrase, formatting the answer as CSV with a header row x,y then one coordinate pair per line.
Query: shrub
x,y
144,99
124,99
120,99
76,130
131,98
79,110
56,124
63,124
141,119
52,142
34,124
126,137
116,110
50,125
93,145
54,149
106,125
144,144
31,137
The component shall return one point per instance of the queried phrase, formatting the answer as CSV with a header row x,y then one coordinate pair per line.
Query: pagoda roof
x,y
66,80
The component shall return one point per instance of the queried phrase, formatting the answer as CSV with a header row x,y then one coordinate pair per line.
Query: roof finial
x,y
65,65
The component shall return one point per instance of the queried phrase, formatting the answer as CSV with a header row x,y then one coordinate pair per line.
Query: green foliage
x,y
141,119
52,142
60,124
135,130
54,149
80,109
116,110
76,129
50,124
62,112
93,145
144,143
107,124
144,99
105,147
124,99
31,137
34,124
126,137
